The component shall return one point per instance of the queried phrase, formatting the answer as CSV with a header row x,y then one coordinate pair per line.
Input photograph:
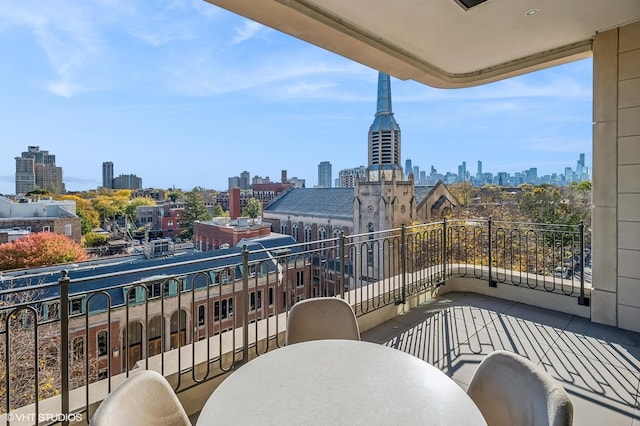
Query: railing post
x,y
492,283
403,262
444,251
582,300
342,269
64,344
245,304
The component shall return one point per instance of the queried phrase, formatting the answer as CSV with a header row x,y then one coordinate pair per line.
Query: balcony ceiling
x,y
438,42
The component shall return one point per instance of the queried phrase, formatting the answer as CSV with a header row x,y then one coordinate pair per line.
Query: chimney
x,y
234,203
283,176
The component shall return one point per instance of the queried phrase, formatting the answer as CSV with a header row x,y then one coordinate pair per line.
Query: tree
x,y
19,322
194,209
89,218
40,249
92,239
174,195
218,211
253,208
108,207
464,192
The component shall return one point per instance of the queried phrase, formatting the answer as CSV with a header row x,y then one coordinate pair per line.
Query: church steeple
x,y
384,137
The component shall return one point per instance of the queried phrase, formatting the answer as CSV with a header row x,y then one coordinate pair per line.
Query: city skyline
x,y
197,94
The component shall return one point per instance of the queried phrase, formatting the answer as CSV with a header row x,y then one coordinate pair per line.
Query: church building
x,y
382,200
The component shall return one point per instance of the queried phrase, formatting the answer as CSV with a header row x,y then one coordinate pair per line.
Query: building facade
x,y
324,175
41,216
107,175
36,168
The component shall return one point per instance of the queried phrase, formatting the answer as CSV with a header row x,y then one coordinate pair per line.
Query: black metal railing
x,y
195,317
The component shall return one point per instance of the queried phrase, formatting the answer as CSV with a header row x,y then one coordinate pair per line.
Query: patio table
x,y
334,382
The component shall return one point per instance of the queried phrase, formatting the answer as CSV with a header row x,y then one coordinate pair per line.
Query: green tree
x,y
92,239
218,211
253,208
194,209
174,195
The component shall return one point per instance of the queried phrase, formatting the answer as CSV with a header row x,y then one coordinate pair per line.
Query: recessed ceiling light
x,y
531,12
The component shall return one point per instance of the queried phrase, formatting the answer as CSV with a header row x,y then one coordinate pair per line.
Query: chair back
x,y
511,390
144,398
321,318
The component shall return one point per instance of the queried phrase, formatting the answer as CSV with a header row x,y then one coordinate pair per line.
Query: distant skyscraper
x,y
408,168
384,137
245,180
37,169
107,174
324,174
348,177
479,167
127,182
462,172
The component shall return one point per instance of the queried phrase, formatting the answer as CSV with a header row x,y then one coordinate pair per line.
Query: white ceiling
x,y
439,43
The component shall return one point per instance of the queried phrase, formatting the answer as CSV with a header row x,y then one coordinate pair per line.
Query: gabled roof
x,y
320,202
422,192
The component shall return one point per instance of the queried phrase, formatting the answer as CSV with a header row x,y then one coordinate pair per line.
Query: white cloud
x,y
248,30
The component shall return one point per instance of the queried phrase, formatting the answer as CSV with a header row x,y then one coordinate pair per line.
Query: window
x,y
270,296
252,270
294,231
201,315
50,311
216,311
224,308
103,374
336,244
76,306
230,307
299,278
283,228
46,229
135,294
78,347
259,300
252,300
322,235
67,230
307,237
102,343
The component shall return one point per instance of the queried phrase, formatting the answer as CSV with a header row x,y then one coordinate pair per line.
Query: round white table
x,y
339,382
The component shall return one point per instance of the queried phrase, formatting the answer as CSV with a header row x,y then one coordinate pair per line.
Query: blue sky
x,y
183,93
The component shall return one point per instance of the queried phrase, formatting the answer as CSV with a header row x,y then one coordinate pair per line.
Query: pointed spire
x,y
384,94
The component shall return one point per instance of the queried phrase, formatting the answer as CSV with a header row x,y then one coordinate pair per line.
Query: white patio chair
x,y
511,390
145,398
321,318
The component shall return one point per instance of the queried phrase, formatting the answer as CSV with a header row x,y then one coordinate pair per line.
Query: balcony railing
x,y
66,339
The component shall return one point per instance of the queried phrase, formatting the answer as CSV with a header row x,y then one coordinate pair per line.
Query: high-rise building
x,y
127,182
462,172
408,168
245,180
107,174
348,177
324,174
37,169
384,137
479,167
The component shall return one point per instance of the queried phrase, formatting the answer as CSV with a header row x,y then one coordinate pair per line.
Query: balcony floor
x,y
599,366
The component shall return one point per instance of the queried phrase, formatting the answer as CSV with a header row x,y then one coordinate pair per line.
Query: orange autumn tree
x,y
40,249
